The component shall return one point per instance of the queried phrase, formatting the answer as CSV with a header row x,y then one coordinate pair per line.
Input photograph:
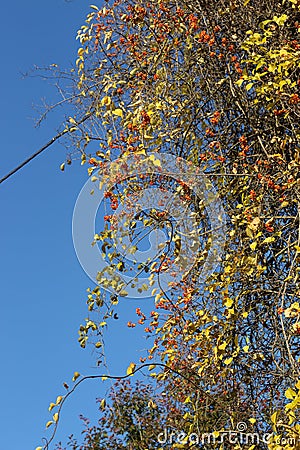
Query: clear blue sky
x,y
43,288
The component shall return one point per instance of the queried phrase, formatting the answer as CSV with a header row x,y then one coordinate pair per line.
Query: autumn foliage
x,y
216,84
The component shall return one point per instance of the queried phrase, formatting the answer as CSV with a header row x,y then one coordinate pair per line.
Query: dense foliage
x,y
216,84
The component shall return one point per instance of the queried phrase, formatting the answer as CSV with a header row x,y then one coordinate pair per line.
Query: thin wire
x,y
24,163
41,150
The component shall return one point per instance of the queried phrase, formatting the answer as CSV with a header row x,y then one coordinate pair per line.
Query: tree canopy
x,y
216,86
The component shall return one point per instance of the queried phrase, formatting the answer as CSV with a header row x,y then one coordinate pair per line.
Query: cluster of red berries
x,y
294,99
269,227
93,162
279,112
244,146
145,119
113,200
215,119
142,316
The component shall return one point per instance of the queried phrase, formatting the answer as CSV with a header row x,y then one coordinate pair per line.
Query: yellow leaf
x,y
58,400
76,375
123,293
62,167
252,420
51,406
133,71
55,417
48,424
106,101
290,394
254,224
268,240
246,348
141,152
274,417
156,162
118,112
228,303
284,204
39,448
71,120
228,361
151,404
249,232
130,369
253,245
223,346
158,297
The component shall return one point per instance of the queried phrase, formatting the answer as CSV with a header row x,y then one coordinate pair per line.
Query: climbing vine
x,y
215,85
